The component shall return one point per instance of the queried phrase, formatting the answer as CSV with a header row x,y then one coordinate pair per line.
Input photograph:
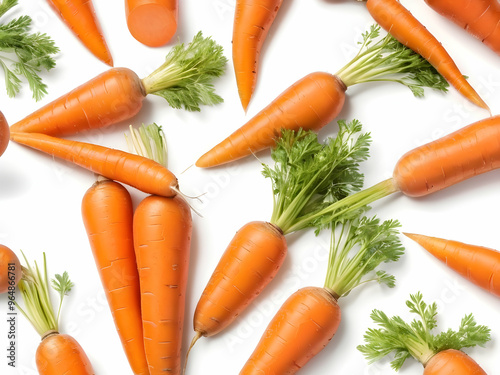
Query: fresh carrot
x,y
107,215
57,354
396,19
10,270
80,17
4,134
481,18
477,264
152,22
439,354
184,80
313,314
142,173
162,238
252,20
318,98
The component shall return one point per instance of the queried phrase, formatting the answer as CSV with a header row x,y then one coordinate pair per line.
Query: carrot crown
x,y
149,141
185,78
416,339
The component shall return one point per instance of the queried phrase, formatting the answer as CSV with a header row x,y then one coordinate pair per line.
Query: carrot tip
x,y
196,337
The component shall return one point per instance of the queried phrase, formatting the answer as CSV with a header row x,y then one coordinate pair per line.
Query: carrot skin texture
x,y
398,21
162,238
302,327
249,263
480,18
468,152
152,22
7,257
477,264
80,17
137,171
310,103
60,354
107,215
4,134
113,96
252,20
452,362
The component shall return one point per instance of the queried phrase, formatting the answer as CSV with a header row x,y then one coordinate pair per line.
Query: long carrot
x,y
397,20
10,270
79,16
107,215
477,264
439,354
252,20
152,22
184,80
4,133
315,100
137,171
481,18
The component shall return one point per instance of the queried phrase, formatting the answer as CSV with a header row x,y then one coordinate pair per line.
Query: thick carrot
x,y
107,215
398,21
477,264
10,270
137,171
453,362
162,237
79,16
4,133
152,22
480,18
252,20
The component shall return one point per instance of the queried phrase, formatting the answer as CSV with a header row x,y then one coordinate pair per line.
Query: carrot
x,y
184,80
57,354
107,215
142,173
481,18
477,264
396,19
152,22
439,354
318,98
252,20
313,314
79,16
10,270
4,134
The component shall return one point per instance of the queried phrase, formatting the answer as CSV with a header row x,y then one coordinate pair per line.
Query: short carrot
x,y
439,354
107,215
477,264
481,18
4,134
315,100
397,20
252,20
80,17
10,270
152,22
184,80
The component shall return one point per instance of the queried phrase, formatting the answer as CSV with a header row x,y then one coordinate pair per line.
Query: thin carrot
x,y
317,99
184,81
252,20
107,215
439,354
4,134
10,270
481,18
397,20
477,264
152,22
142,173
79,16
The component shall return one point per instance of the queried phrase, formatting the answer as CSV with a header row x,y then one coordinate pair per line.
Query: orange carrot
x,y
481,18
184,80
137,171
397,20
252,20
107,215
317,99
79,16
4,133
477,264
152,22
10,270
453,362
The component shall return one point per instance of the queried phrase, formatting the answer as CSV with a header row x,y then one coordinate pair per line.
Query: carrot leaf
x,y
62,285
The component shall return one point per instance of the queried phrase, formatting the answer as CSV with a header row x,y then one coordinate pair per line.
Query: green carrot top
x,y
416,339
148,141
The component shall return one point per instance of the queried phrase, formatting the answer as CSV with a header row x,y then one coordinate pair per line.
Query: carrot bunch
x,y
439,354
358,247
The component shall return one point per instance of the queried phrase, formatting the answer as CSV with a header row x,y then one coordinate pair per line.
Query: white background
x,y
40,198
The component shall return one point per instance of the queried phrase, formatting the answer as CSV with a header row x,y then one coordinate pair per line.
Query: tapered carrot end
x,y
152,24
108,61
196,337
245,100
204,161
414,237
